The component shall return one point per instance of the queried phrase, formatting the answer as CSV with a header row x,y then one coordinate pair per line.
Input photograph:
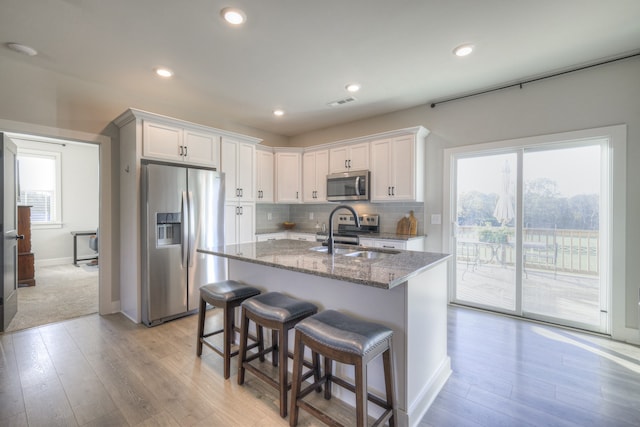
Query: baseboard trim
x,y
422,403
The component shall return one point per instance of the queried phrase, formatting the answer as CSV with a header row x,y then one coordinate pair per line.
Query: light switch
x,y
436,219
269,216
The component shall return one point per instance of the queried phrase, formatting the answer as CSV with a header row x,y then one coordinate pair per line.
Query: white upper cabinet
x,y
397,168
238,162
315,167
239,223
202,148
352,157
288,173
179,144
264,176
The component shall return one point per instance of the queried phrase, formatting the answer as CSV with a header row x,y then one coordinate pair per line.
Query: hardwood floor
x,y
510,372
107,371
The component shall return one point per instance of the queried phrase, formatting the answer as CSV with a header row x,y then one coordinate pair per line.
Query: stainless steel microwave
x,y
344,186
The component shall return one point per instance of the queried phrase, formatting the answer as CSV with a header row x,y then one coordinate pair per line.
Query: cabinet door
x,y
230,223
338,159
309,187
381,170
229,165
246,223
160,141
246,171
288,178
264,178
202,148
402,161
322,170
270,236
359,157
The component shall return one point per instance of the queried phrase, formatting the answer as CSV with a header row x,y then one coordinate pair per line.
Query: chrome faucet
x,y
337,208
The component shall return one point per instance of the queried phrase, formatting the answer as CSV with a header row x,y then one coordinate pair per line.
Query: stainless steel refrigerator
x,y
182,210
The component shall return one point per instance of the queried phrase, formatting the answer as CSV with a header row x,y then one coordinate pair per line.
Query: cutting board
x,y
403,226
413,224
408,225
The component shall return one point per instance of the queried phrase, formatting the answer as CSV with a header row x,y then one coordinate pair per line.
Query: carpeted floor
x,y
61,292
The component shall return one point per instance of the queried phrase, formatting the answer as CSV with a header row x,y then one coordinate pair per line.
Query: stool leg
x,y
242,352
327,373
387,361
276,348
201,317
361,393
228,336
298,355
283,371
260,332
316,369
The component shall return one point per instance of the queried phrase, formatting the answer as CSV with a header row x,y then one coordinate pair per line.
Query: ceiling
x,y
299,55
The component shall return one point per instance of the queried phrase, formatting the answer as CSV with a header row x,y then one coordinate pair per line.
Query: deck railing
x,y
558,250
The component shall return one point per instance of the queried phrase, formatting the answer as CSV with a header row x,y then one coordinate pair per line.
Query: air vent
x,y
342,101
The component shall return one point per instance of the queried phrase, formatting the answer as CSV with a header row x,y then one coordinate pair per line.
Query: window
x,y
39,185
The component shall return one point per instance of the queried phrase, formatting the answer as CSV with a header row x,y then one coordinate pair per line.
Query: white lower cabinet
x,y
270,236
308,237
239,223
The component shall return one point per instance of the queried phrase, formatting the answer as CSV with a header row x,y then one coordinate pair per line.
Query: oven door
x,y
348,186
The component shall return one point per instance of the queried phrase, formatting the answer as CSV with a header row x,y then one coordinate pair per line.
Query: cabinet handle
x,y
345,164
393,191
180,151
186,153
387,246
349,164
237,210
241,210
388,191
296,195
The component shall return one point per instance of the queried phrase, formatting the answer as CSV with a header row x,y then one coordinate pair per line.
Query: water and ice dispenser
x,y
168,228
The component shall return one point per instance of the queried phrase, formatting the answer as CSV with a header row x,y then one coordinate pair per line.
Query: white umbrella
x,y
504,211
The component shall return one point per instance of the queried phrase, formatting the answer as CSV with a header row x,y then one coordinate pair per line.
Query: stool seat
x,y
344,333
278,307
227,290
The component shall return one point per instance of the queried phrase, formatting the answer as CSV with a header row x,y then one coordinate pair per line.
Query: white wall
x,y
80,199
597,97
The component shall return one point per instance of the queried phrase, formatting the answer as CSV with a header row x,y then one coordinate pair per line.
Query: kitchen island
x,y
404,290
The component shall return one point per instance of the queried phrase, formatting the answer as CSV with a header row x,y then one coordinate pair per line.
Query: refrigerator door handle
x,y
192,228
185,228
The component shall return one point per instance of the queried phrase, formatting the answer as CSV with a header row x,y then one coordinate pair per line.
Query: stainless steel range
x,y
348,233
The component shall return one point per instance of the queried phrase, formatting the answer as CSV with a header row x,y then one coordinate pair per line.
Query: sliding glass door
x,y
530,235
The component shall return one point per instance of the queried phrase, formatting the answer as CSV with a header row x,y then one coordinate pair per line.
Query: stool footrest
x,y
372,397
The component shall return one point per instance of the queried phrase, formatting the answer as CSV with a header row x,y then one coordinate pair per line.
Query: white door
x,y
9,303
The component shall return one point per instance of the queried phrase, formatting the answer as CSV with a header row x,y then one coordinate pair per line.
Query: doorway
x,y
59,180
531,230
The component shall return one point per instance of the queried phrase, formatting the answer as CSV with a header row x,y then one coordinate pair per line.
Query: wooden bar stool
x,y
226,295
280,313
347,340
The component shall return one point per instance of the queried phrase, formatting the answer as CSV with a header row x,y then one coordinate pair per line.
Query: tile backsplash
x,y
390,214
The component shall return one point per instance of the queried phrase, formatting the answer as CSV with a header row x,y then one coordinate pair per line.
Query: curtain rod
x,y
520,84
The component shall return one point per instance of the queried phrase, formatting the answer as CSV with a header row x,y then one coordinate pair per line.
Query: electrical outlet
x,y
310,215
269,216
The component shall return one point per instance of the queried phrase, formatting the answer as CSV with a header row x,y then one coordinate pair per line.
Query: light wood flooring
x,y
107,371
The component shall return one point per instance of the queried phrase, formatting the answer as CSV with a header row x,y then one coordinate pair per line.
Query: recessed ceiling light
x,y
463,50
164,72
233,16
22,48
352,87
278,112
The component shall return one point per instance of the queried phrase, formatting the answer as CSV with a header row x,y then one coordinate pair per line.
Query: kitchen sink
x,y
339,251
369,254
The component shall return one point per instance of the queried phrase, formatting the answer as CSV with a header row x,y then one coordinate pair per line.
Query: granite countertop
x,y
388,236
384,272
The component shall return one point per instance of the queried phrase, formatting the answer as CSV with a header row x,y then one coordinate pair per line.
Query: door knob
x,y
19,236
